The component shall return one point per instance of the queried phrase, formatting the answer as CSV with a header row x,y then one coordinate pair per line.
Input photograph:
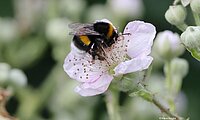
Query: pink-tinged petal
x,y
103,80
81,67
140,39
89,91
133,65
94,88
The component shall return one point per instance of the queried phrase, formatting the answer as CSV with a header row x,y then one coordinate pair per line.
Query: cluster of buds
x,y
176,15
168,47
12,75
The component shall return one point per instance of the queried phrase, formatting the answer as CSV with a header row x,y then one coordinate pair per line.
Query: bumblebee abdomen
x,y
111,31
82,42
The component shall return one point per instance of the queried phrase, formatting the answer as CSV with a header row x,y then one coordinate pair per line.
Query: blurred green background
x,y
34,41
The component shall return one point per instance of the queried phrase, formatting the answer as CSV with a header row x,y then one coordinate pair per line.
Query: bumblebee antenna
x,y
126,33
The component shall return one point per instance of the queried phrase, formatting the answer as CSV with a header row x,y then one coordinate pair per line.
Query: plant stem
x,y
169,86
112,104
176,2
182,27
157,103
165,110
168,75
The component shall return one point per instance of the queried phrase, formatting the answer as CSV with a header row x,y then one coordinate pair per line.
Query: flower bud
x,y
176,15
195,6
191,40
99,11
167,45
127,8
179,67
181,103
18,77
56,30
9,30
67,9
4,72
15,76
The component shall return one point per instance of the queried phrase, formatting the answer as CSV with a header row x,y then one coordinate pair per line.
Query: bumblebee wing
x,y
82,29
79,25
84,32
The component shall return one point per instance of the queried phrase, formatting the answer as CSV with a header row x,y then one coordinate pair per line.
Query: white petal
x,y
140,40
75,49
81,67
133,65
93,88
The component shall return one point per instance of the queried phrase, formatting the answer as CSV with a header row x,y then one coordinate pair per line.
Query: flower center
x,y
115,54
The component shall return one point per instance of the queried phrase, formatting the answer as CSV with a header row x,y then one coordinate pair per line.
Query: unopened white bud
x,y
195,6
167,45
18,77
176,15
179,67
57,29
127,8
4,72
9,30
191,39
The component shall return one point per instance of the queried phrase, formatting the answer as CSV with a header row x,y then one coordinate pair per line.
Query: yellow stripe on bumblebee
x,y
85,40
110,31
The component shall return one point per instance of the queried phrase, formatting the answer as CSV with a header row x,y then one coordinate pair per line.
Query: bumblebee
x,y
93,38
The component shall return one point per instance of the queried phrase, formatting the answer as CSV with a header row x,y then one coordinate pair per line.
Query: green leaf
x,y
23,53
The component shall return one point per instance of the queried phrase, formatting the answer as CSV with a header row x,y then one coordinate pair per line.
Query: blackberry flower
x,y
130,53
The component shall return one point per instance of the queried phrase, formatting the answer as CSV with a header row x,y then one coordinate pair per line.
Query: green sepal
x,y
195,54
146,95
129,81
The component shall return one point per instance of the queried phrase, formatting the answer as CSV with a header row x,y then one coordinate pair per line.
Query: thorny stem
x,y
156,102
165,110
162,108
112,104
